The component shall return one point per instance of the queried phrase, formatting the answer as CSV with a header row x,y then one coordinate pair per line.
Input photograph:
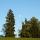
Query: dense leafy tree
x,y
25,29
9,25
30,28
34,29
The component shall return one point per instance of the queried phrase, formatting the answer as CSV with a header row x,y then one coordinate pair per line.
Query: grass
x,y
10,38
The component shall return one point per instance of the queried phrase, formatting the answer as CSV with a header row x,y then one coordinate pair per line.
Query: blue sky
x,y
21,8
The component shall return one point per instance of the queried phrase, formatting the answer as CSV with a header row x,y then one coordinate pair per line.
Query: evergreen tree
x,y
9,25
25,21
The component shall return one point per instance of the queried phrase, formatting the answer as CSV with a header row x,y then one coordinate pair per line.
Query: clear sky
x,y
21,8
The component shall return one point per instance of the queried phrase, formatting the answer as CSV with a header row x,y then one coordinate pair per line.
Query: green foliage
x,y
25,29
9,25
34,29
30,28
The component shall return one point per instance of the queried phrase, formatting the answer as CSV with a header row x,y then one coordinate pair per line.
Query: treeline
x,y
30,28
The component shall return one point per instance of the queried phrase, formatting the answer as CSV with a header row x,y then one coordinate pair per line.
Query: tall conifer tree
x,y
9,25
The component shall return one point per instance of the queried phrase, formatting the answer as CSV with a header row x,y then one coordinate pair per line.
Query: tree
x,y
30,28
25,29
25,21
9,25
34,29
21,31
